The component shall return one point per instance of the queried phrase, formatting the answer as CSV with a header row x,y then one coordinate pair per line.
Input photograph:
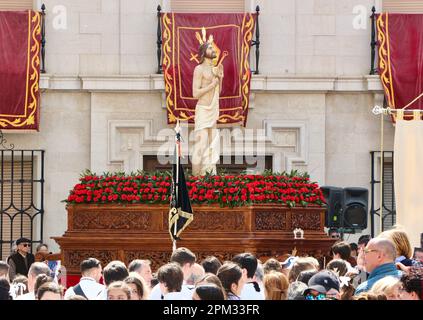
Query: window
x,y
21,197
215,6
402,6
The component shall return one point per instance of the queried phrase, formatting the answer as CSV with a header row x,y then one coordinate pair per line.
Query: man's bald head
x,y
385,246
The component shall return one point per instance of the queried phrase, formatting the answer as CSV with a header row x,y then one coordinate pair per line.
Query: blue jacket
x,y
384,270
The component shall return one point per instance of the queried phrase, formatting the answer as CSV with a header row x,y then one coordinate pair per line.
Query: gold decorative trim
x,y
168,23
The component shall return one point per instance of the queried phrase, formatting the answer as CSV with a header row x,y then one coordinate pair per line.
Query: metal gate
x,y
21,198
388,192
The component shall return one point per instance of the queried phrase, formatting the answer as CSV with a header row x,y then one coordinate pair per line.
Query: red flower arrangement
x,y
227,190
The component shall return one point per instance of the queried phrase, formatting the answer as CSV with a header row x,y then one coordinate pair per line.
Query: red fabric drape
x,y
232,35
20,37
400,39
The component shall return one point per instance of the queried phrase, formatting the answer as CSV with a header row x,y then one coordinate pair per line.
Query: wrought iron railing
x,y
21,197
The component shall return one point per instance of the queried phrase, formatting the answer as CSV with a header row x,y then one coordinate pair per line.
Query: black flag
x,y
180,213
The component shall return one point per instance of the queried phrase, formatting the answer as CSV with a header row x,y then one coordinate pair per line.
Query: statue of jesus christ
x,y
207,84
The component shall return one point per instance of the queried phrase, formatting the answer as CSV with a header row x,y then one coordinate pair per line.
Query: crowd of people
x,y
381,268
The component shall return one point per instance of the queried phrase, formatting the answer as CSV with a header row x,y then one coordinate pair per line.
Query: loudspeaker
x,y
334,202
355,208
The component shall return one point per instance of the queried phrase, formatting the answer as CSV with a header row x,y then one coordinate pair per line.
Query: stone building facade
x,y
102,103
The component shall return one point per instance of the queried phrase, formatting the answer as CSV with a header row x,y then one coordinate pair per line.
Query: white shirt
x,y
89,286
250,293
186,290
27,296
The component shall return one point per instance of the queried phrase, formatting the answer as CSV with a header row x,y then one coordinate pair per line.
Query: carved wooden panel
x,y
221,255
157,258
306,220
112,220
272,220
73,258
214,221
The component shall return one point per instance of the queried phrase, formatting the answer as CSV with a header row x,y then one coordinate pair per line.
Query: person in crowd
x,y
186,259
402,244
36,269
412,285
136,284
230,274
379,256
4,270
39,281
42,248
389,286
259,275
113,272
363,241
306,275
251,289
342,250
143,268
324,285
171,278
275,286
20,262
300,264
334,233
362,274
287,264
50,291
208,291
418,256
89,285
5,289
369,296
211,278
19,286
211,264
272,265
154,282
338,266
347,290
296,290
118,290
354,250
196,274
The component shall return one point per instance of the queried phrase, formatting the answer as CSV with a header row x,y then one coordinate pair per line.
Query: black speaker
x,y
355,208
334,202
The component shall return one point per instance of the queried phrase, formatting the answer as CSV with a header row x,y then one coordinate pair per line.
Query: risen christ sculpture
x,y
207,83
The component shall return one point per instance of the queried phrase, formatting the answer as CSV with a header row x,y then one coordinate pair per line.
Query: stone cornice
x,y
259,83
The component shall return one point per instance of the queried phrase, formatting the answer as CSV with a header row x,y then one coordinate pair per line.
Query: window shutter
x,y
216,6
21,222
402,6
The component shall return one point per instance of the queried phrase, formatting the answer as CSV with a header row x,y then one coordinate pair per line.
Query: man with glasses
x,y
21,261
379,261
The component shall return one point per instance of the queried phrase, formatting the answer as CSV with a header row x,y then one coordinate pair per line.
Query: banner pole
x,y
177,179
381,175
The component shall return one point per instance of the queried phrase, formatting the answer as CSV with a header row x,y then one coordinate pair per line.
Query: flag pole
x,y
177,129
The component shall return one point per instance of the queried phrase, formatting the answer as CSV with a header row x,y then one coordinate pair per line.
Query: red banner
x,y
400,38
20,37
232,34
